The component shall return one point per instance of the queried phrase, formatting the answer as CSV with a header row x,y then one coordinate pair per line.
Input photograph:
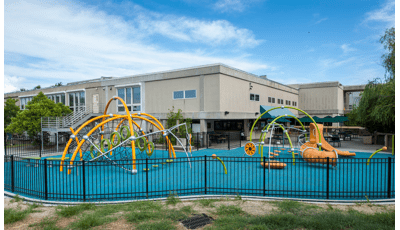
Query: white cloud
x,y
321,20
76,43
346,48
192,30
12,83
332,63
234,5
229,5
385,14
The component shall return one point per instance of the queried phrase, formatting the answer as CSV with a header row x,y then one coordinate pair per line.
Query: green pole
x,y
369,159
264,136
392,144
288,107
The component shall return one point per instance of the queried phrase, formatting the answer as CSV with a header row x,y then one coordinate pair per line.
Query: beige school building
x,y
217,97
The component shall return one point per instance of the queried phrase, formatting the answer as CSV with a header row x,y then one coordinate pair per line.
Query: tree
x,y
37,87
376,110
172,118
388,41
10,110
22,89
58,84
29,119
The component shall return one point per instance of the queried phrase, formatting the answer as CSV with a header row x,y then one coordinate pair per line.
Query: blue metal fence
x,y
352,179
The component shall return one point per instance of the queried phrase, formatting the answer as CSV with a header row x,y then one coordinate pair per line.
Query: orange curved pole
x,y
64,153
88,134
77,131
130,126
77,141
105,111
137,125
162,128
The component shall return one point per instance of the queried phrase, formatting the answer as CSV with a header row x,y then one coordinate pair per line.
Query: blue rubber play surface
x,y
352,179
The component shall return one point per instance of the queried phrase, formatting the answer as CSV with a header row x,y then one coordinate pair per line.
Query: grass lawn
x,y
227,214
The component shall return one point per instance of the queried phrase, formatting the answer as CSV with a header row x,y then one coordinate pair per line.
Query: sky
x,y
47,42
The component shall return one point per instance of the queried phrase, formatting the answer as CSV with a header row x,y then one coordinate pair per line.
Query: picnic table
x,y
217,137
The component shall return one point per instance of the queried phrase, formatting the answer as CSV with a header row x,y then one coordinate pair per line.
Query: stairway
x,y
73,120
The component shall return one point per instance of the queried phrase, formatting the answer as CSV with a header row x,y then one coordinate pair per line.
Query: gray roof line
x,y
201,66
53,86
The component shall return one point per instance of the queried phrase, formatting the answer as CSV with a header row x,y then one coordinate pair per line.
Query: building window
x,y
58,98
190,94
271,99
76,99
185,94
287,102
24,102
294,103
254,97
132,98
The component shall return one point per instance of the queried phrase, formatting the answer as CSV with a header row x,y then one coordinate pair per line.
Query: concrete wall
x,y
159,95
235,95
321,99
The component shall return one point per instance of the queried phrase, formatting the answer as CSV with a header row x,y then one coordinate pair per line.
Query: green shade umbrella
x,y
328,119
279,120
317,119
305,119
340,119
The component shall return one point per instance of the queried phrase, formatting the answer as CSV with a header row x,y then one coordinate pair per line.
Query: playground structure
x,y
126,137
316,150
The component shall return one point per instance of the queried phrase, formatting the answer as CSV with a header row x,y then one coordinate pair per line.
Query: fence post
x,y
264,178
45,180
40,147
207,139
389,177
5,144
147,178
205,174
229,141
198,141
240,139
12,173
83,181
327,178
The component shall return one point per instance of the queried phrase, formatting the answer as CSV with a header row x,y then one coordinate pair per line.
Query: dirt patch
x,y
369,209
10,203
258,208
121,223
64,222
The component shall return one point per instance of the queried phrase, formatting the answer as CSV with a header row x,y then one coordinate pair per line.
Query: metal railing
x,y
32,146
80,112
94,181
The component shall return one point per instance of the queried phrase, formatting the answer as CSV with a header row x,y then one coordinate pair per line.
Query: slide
x,y
314,139
315,156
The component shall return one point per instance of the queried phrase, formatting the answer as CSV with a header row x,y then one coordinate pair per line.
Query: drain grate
x,y
197,221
